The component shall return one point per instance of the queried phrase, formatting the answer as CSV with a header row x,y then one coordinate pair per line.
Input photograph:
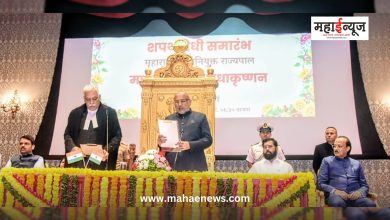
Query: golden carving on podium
x,y
159,88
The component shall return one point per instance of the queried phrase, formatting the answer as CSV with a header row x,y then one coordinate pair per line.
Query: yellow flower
x,y
304,74
97,78
266,109
299,105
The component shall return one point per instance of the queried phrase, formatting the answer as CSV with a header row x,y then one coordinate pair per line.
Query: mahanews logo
x,y
339,28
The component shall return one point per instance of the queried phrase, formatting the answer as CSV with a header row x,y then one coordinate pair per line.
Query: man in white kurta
x,y
255,152
270,163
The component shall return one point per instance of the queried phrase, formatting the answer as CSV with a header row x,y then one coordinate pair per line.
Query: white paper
x,y
169,129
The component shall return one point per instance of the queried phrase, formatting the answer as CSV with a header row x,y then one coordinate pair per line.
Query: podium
x,y
159,88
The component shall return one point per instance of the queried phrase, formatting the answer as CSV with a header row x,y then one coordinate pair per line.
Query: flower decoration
x,y
151,161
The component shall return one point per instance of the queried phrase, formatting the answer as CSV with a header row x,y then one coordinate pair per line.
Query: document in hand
x,y
170,130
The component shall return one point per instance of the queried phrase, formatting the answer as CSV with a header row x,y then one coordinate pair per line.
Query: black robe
x,y
73,129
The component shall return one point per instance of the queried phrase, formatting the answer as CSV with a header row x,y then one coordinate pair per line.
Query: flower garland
x,y
1,194
122,188
30,180
229,191
87,190
64,190
220,191
14,193
48,187
159,190
114,191
171,189
40,185
104,191
95,191
196,192
188,190
56,189
179,189
139,191
22,193
249,192
148,191
74,190
212,190
71,187
131,191
204,189
240,191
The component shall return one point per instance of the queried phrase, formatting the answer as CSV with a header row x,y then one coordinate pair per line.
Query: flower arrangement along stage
x,y
72,187
151,161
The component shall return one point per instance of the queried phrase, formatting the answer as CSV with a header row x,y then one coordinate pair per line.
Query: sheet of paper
x,y
169,129
87,149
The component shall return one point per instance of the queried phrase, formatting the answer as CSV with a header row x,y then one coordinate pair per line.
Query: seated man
x,y
270,163
126,154
255,152
342,178
26,159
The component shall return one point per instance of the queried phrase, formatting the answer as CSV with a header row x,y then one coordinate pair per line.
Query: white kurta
x,y
275,166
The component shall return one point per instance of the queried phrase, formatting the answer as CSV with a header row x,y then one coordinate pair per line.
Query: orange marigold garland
x,y
122,188
95,191
87,190
40,184
188,191
113,191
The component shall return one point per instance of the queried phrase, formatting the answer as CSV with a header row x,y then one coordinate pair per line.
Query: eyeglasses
x,y
93,99
182,101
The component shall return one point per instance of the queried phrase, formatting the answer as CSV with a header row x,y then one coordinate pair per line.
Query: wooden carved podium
x,y
158,90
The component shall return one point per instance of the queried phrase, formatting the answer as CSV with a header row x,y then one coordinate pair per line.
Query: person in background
x,y
325,149
195,136
87,124
255,152
26,159
270,163
126,154
342,178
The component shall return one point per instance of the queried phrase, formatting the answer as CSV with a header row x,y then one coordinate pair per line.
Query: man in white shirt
x,y
255,152
26,159
270,163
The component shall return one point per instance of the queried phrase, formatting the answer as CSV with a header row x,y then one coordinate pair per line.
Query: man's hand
x,y
105,157
342,194
161,139
76,148
355,195
184,145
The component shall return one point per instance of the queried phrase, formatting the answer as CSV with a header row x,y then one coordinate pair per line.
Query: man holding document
x,y
194,136
93,131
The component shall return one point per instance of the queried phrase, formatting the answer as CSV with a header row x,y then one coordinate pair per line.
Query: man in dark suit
x,y
87,124
195,136
324,149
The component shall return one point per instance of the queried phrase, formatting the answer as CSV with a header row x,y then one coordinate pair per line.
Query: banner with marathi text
x,y
259,75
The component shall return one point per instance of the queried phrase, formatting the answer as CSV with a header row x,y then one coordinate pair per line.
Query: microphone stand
x,y
107,136
177,152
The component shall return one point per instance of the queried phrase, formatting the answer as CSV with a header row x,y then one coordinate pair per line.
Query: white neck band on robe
x,y
91,117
